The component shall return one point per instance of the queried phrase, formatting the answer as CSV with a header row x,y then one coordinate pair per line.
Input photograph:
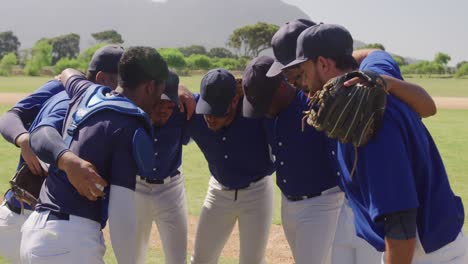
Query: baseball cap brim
x,y
275,69
204,108
170,98
295,63
257,111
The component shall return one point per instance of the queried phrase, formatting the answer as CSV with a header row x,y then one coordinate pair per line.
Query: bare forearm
x,y
399,251
413,95
360,55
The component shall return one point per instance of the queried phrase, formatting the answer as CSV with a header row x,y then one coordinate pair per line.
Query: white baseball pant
x,y
456,252
348,247
74,241
10,233
253,209
165,204
310,225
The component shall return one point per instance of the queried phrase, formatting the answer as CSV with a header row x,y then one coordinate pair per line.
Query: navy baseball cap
x,y
218,88
284,43
259,88
106,59
326,40
171,92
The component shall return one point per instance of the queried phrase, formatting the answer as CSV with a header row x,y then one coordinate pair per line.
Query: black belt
x,y
13,208
303,197
158,181
55,216
246,186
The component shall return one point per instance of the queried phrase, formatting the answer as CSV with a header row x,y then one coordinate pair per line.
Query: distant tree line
x,y
437,66
55,53
60,52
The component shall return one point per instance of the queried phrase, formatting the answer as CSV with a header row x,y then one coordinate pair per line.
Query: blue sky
x,y
413,28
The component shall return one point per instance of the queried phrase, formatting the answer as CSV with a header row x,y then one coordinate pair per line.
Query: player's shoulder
x,y
381,62
41,95
59,97
52,87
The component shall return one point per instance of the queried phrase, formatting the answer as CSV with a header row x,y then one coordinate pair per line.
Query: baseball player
x,y
46,106
310,201
107,129
240,189
12,216
400,194
347,245
162,198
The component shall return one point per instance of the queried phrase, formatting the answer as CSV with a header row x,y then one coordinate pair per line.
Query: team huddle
x,y
107,150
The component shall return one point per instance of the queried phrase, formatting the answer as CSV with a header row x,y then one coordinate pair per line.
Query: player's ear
x,y
323,64
100,78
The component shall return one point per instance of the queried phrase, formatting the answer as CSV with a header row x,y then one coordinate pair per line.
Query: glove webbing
x,y
306,115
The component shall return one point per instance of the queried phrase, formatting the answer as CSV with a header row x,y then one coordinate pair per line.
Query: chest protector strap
x,y
98,98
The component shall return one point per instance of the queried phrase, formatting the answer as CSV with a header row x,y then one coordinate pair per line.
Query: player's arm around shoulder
x,y
412,94
75,82
16,121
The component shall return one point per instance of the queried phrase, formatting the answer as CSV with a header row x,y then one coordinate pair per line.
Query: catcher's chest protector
x,y
98,98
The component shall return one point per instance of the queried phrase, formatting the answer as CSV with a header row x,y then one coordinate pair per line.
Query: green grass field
x,y
21,84
435,87
450,87
25,84
447,127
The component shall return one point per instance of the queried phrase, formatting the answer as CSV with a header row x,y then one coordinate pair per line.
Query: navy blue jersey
x,y
237,154
400,169
105,140
168,141
18,120
51,113
303,159
29,107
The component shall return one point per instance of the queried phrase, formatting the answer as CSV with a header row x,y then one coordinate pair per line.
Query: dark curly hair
x,y
140,64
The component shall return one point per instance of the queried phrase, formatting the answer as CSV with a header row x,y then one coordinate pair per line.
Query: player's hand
x,y
28,155
82,175
353,81
186,101
357,80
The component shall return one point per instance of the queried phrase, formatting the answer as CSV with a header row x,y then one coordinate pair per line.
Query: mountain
x,y
141,22
174,23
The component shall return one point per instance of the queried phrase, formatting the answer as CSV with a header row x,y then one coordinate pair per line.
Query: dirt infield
x,y
277,250
11,98
451,102
441,102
